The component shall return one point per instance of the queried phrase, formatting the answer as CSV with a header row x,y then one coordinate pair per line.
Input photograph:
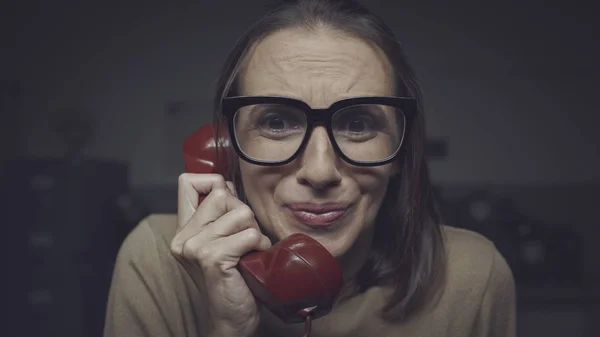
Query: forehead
x,y
318,67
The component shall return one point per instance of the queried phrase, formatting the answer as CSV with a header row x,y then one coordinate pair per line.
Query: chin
x,y
335,248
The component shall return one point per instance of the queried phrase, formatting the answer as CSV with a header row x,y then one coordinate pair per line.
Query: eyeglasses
x,y
364,131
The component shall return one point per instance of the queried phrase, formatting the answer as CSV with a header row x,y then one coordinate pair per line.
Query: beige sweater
x,y
151,295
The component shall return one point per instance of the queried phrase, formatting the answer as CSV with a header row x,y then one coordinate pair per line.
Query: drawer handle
x,y
40,296
42,182
41,240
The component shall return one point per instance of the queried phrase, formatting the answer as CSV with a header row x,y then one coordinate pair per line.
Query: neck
x,y
353,260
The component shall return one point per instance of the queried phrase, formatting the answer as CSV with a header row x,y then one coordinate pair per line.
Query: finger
x,y
231,188
241,243
189,187
237,220
217,204
228,249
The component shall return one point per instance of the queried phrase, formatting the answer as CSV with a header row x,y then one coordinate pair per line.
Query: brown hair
x,y
408,248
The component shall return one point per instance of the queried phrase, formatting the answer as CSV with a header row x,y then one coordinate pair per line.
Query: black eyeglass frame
x,y
230,105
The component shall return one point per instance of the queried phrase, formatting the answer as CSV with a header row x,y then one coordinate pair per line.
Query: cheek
x,y
259,184
375,199
373,180
374,189
250,181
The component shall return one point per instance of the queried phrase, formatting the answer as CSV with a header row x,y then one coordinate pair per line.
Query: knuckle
x,y
219,193
219,179
190,250
176,247
246,212
202,255
253,235
183,178
207,259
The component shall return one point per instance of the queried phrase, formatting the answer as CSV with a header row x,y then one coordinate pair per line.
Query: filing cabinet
x,y
66,228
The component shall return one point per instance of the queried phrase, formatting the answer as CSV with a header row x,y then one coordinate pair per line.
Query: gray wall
x,y
512,89
507,90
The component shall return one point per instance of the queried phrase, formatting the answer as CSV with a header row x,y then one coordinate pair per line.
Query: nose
x,y
319,162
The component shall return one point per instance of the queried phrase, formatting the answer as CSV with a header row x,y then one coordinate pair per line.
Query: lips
x,y
318,215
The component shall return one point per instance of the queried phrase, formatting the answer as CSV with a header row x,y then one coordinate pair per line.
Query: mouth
x,y
319,216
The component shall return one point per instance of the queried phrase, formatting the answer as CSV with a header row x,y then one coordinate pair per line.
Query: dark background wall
x,y
511,87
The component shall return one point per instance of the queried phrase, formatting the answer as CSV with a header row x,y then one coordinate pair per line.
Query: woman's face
x,y
317,194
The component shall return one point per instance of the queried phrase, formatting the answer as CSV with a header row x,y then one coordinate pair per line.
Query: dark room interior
x,y
98,97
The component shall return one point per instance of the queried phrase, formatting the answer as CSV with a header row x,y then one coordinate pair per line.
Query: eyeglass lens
x,y
274,132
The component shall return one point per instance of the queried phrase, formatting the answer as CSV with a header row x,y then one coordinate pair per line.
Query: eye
x,y
356,120
273,121
360,124
277,121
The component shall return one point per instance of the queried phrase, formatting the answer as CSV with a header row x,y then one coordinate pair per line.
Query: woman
x,y
357,183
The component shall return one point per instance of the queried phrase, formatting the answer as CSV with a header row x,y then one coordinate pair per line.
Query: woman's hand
x,y
210,239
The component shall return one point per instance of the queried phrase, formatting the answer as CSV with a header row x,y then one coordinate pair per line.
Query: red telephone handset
x,y
297,277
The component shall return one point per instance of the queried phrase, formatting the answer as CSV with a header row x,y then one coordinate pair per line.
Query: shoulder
x,y
466,243
150,290
162,227
480,284
146,247
472,252
474,264
146,268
